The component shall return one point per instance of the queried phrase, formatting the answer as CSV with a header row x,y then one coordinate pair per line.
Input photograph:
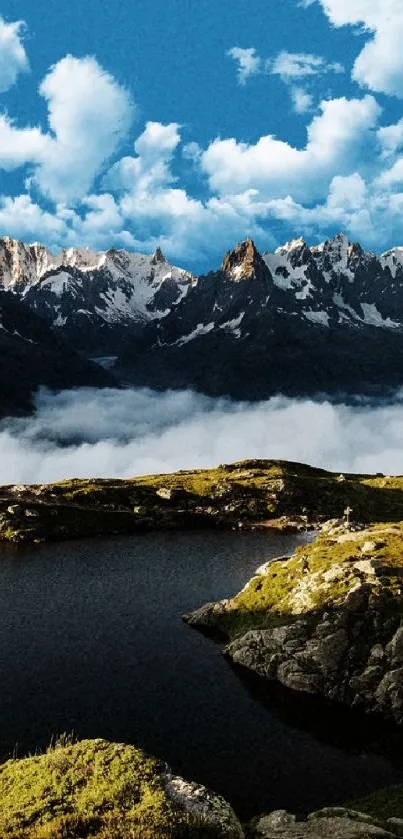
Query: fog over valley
x,y
122,433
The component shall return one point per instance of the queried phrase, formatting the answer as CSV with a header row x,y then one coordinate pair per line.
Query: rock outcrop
x,y
100,789
327,621
335,822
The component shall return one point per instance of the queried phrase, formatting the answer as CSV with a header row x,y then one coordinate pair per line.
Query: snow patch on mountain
x,y
374,318
341,304
201,329
233,325
321,318
287,276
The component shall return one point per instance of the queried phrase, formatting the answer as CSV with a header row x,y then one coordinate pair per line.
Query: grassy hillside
x,y
246,494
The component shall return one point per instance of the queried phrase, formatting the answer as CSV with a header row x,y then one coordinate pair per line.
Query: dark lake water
x,y
91,641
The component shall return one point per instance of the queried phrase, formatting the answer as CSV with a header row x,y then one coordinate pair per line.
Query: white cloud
x,y
19,146
151,168
391,139
291,66
192,151
131,432
22,218
89,115
143,206
379,65
147,199
301,99
393,176
347,193
13,58
249,63
348,174
335,143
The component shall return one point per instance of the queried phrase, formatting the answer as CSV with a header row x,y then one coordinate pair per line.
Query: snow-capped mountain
x,y
330,285
338,282
300,320
88,294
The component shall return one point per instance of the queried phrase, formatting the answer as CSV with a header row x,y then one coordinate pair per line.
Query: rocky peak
x,y
244,262
17,262
293,245
296,252
158,257
355,250
338,246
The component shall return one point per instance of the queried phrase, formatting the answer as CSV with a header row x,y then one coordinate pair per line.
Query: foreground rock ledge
x,y
327,621
106,791
335,822
249,494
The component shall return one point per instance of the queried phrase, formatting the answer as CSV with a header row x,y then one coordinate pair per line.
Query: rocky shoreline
x,y
102,790
327,621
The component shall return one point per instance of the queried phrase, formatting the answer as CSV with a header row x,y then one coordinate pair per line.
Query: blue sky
x,y
193,125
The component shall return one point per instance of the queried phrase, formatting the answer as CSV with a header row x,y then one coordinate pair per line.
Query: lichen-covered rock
x,y
204,804
206,617
331,823
327,621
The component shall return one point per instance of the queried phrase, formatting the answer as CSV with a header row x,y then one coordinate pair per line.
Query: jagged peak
x,y
158,257
294,244
339,242
244,261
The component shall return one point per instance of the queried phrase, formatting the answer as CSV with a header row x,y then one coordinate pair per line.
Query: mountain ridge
x,y
300,320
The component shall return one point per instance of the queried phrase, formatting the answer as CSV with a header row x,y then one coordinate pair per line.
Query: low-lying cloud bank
x,y
122,433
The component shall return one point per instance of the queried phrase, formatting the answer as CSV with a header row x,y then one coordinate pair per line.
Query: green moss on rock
x,y
105,791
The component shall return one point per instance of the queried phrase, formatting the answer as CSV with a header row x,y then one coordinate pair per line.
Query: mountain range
x,y
302,320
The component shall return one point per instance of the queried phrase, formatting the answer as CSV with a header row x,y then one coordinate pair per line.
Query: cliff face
x,y
327,621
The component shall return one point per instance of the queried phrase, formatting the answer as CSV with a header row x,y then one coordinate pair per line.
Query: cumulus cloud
x,y
335,143
13,58
21,217
379,66
151,168
89,115
131,432
19,146
248,61
146,197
